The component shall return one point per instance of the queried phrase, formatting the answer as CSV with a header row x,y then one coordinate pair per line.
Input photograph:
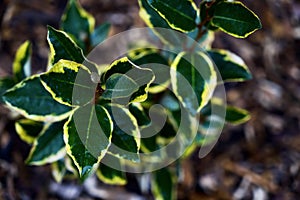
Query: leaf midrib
x,y
70,83
232,19
88,135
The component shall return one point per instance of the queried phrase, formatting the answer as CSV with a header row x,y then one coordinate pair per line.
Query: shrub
x,y
84,120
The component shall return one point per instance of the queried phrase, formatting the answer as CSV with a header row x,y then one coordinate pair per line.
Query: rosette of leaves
x,y
63,128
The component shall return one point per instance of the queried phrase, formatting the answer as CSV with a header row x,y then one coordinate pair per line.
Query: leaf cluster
x,y
76,132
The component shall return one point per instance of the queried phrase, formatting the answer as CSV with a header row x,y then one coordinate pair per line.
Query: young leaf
x,y
119,86
143,77
22,65
77,22
61,79
110,175
5,84
28,130
180,14
100,34
153,20
49,146
87,135
32,100
151,59
126,135
235,19
121,66
193,80
231,67
163,185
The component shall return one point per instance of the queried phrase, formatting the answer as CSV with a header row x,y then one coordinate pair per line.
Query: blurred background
x,y
258,160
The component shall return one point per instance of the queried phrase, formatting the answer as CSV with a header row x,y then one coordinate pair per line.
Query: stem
x,y
99,91
202,24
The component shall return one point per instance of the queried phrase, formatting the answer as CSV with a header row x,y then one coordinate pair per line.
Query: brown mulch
x,y
258,160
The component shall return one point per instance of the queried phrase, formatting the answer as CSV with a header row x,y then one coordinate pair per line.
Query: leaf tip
x,y
85,172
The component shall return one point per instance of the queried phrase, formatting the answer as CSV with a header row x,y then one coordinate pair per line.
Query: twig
x,y
99,91
201,25
250,176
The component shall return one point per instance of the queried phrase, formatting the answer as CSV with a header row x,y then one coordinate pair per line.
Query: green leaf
x,y
236,115
28,130
231,66
49,146
59,170
180,14
149,144
143,77
22,64
178,116
63,47
100,34
233,114
143,56
170,102
119,86
153,20
139,113
215,106
77,22
152,59
110,175
121,66
235,19
63,77
193,80
167,132
159,132
189,151
163,185
209,130
184,124
31,99
87,135
5,84
126,135
150,16
71,167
